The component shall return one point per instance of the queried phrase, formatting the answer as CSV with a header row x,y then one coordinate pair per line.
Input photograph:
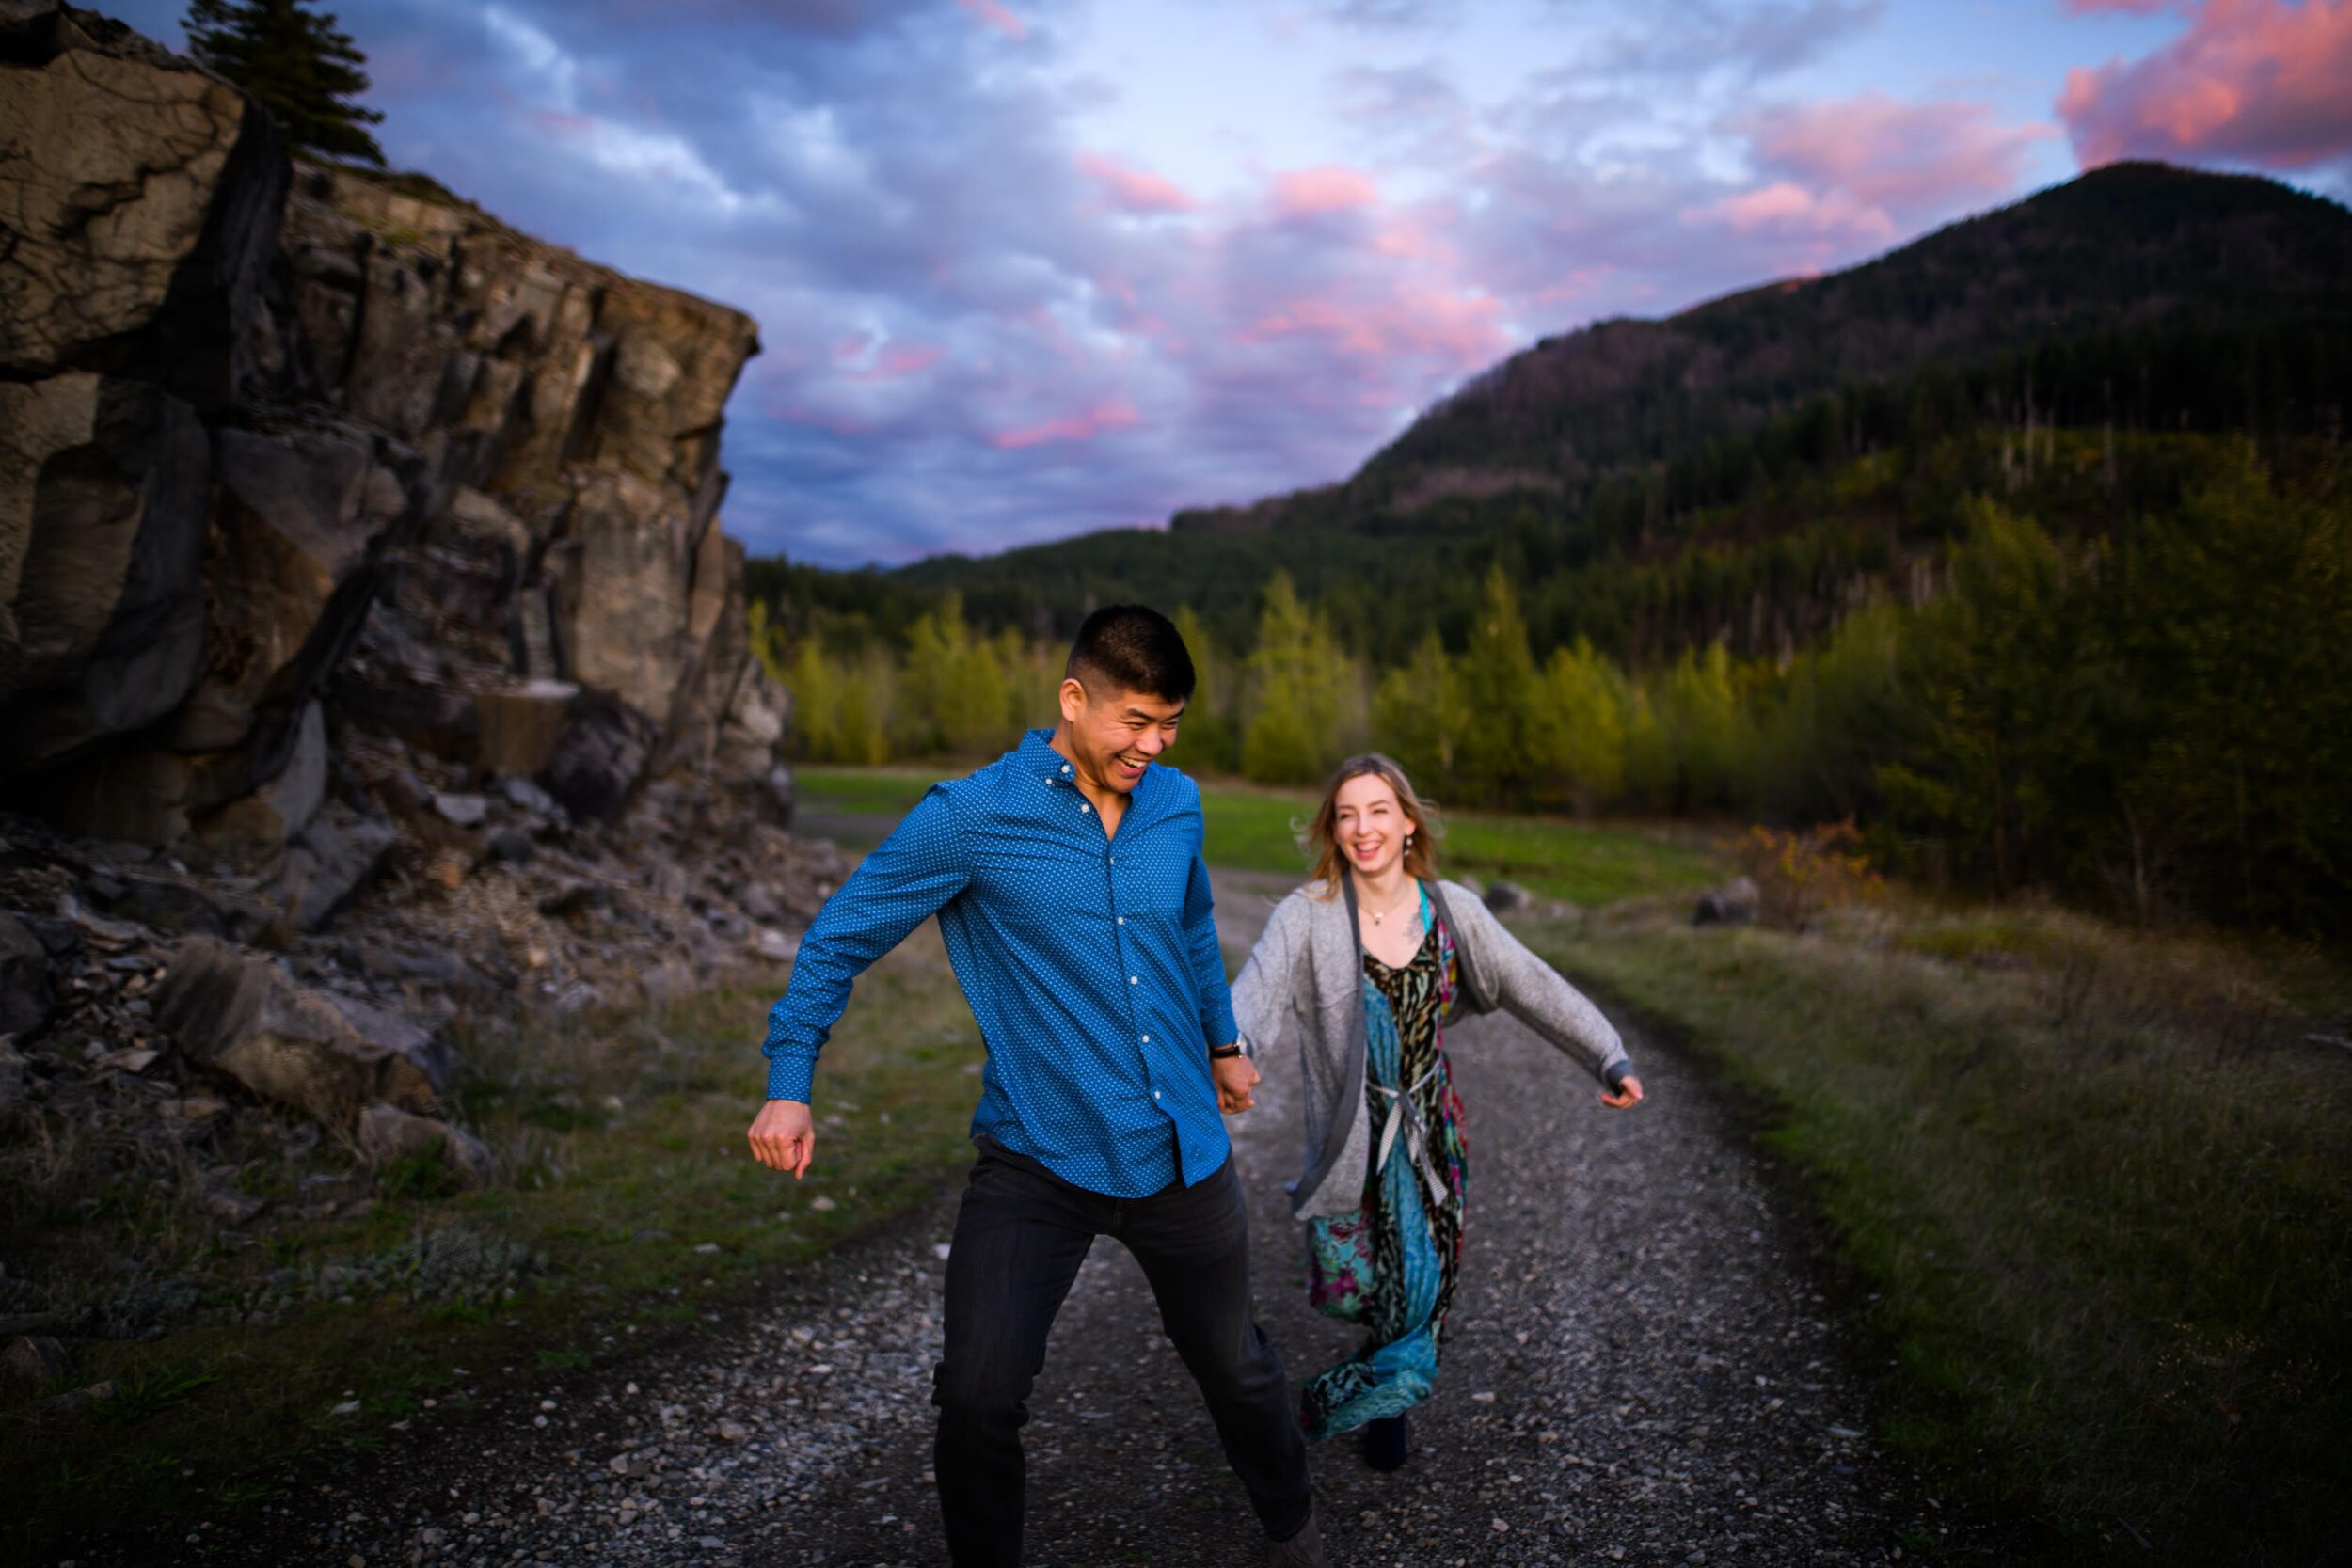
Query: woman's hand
x,y
1235,1077
1628,1093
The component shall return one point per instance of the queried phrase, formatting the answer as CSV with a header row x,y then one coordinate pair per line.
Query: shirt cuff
x,y
789,1077
1220,1028
1612,1077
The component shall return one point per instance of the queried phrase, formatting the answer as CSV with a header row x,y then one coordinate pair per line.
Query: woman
x,y
1362,969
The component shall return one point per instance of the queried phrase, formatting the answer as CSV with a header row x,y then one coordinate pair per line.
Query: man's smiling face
x,y
1113,735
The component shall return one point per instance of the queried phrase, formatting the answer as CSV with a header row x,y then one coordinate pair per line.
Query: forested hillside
x,y
2028,544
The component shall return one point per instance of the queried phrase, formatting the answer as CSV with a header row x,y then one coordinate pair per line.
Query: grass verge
x,y
1250,829
628,1205
2102,1186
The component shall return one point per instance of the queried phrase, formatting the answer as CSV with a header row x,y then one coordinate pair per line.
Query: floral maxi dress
x,y
1391,1266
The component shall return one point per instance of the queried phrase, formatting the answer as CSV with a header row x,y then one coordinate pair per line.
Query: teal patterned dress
x,y
1393,1265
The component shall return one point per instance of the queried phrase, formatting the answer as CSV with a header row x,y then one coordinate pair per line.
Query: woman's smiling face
x,y
1369,824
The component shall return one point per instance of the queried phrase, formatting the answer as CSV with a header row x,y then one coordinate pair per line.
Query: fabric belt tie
x,y
1405,1115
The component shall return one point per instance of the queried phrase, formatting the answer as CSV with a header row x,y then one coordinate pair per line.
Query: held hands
x,y
1628,1093
1235,1077
784,1136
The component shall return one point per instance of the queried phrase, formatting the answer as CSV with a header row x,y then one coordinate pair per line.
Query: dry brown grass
x,y
2101,1179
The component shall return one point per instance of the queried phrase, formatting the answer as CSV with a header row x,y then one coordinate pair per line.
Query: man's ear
x,y
1073,699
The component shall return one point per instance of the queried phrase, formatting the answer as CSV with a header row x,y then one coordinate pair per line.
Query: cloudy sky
x,y
1024,268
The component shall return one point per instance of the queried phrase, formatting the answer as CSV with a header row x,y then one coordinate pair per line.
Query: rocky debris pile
x,y
371,651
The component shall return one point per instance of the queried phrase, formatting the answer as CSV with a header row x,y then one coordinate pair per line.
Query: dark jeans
x,y
1020,1237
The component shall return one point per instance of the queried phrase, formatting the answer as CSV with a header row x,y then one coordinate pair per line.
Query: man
x,y
1070,887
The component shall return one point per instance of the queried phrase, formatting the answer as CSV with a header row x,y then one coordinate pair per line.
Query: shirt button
x,y
1122,920
1082,806
1147,1040
1134,980
1065,767
1155,1094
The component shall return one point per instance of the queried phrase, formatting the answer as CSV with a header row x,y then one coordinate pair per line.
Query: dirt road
x,y
1643,1370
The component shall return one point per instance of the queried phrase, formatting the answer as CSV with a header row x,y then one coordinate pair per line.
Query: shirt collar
x,y
1038,755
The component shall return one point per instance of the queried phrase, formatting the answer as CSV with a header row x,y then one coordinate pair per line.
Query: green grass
x,y
2101,1186
597,1237
1251,829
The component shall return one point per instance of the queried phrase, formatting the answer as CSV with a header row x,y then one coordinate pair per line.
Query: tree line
x,y
2157,718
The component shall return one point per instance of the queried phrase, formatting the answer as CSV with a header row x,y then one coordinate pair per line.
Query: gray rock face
x,y
258,826
142,198
102,539
318,1052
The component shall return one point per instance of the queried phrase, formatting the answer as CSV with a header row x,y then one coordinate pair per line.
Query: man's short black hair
x,y
1131,647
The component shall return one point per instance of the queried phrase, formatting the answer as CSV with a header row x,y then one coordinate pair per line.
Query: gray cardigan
x,y
1304,982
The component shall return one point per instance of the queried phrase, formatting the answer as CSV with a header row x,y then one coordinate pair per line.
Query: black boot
x,y
1384,1443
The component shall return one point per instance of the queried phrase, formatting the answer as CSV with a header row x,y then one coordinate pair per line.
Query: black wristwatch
x,y
1224,1053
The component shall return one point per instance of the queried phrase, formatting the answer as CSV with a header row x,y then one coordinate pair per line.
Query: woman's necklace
x,y
1379,915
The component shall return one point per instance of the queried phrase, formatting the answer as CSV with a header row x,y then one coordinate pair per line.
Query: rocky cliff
x,y
371,648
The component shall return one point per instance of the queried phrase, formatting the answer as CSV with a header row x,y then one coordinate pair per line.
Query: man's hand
x,y
784,1136
1235,1077
1628,1093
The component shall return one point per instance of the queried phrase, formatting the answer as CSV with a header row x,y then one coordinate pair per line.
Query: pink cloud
x,y
2254,81
868,359
1135,190
1117,414
1892,156
995,16
1789,210
1306,192
1414,320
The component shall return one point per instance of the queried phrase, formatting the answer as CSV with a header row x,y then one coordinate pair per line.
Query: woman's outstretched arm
x,y
1538,996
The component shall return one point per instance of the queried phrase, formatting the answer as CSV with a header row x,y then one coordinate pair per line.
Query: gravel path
x,y
1643,1370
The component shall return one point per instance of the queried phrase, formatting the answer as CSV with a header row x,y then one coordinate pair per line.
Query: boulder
x,y
143,197
511,845
1508,898
387,1134
322,1053
461,809
335,857
517,728
25,997
1732,904
36,1361
600,759
525,796
103,494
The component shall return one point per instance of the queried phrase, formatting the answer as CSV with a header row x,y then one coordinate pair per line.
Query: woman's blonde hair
x,y
1321,838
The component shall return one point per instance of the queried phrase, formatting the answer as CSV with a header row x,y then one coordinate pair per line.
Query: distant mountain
x,y
2137,298
2136,249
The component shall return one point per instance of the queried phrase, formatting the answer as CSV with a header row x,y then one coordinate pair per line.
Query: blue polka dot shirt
x,y
1091,964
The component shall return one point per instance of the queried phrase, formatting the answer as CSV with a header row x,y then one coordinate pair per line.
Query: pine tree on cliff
x,y
303,68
